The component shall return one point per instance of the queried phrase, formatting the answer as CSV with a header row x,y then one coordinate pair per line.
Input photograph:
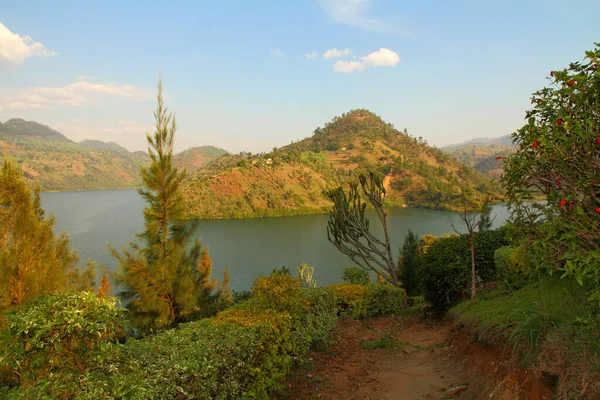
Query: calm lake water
x,y
249,247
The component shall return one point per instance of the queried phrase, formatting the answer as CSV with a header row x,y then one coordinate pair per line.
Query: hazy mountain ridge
x,y
483,153
58,163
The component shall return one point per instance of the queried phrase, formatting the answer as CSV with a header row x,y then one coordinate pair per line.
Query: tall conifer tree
x,y
160,278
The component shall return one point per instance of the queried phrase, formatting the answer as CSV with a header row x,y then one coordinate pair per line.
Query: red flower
x,y
557,182
563,203
535,144
540,100
596,65
500,157
572,203
598,210
551,73
571,82
559,121
598,140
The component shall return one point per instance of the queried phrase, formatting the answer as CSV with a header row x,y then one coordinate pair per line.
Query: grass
x,y
550,326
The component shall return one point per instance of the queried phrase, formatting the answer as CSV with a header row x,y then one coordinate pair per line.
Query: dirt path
x,y
416,366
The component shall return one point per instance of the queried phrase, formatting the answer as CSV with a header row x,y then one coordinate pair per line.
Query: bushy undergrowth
x,y
243,352
550,326
444,270
360,301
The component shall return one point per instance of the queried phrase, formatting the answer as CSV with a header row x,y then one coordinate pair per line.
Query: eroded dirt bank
x,y
409,358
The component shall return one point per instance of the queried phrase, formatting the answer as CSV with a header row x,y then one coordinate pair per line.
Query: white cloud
x,y
380,58
276,52
311,55
356,13
15,48
335,53
73,95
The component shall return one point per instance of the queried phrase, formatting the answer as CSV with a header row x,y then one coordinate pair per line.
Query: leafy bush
x,y
372,300
514,266
557,157
243,352
352,298
277,291
444,272
385,299
357,276
60,333
486,243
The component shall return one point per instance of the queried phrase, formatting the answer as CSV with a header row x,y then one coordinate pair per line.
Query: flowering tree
x,y
553,180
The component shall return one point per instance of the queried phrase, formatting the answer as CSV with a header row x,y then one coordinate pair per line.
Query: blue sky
x,y
252,75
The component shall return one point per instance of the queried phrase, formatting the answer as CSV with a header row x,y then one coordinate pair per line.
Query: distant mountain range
x,y
482,153
289,180
58,163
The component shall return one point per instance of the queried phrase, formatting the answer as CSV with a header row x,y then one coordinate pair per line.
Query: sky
x,y
250,75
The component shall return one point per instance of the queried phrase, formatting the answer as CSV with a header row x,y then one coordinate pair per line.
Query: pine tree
x,y
407,263
105,287
33,261
224,291
161,279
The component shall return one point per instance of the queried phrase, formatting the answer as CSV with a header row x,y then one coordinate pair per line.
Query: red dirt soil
x,y
428,361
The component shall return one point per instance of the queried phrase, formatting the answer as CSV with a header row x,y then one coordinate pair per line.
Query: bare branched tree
x,y
348,228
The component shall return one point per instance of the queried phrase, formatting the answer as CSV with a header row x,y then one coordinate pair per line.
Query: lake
x,y
249,247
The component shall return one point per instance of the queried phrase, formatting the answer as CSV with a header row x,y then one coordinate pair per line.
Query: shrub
x,y
242,353
372,300
443,272
557,157
486,243
277,292
60,333
385,299
357,276
352,298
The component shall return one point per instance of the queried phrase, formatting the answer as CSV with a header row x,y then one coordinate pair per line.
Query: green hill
x,y
57,163
99,145
197,157
482,153
291,180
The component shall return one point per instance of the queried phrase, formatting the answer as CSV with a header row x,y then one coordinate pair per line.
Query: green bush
x,y
60,334
486,243
357,276
385,299
352,298
360,301
514,266
244,352
444,272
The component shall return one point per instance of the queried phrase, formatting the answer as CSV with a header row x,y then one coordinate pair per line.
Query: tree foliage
x,y
33,260
552,181
407,263
163,281
348,228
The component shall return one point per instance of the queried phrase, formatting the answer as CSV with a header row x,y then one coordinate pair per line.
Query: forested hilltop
x,y
58,163
291,180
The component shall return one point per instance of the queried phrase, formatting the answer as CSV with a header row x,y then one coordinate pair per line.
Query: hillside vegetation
x,y
291,180
482,154
58,163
